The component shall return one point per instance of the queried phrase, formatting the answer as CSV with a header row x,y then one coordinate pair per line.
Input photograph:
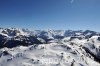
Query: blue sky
x,y
50,14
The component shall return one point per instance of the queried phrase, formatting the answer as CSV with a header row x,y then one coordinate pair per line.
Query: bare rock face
x,y
99,38
20,41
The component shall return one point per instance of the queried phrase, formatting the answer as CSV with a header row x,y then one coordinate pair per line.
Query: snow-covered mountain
x,y
23,47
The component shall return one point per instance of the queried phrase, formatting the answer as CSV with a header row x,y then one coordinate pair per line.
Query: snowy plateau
x,y
23,47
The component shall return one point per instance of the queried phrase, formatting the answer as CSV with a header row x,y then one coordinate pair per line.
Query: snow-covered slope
x,y
23,47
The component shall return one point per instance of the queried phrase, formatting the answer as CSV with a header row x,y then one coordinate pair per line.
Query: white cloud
x,y
71,1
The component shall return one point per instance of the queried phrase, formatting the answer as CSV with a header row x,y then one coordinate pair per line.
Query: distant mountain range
x,y
11,37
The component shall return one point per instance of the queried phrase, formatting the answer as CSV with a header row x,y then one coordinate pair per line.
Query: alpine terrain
x,y
23,47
